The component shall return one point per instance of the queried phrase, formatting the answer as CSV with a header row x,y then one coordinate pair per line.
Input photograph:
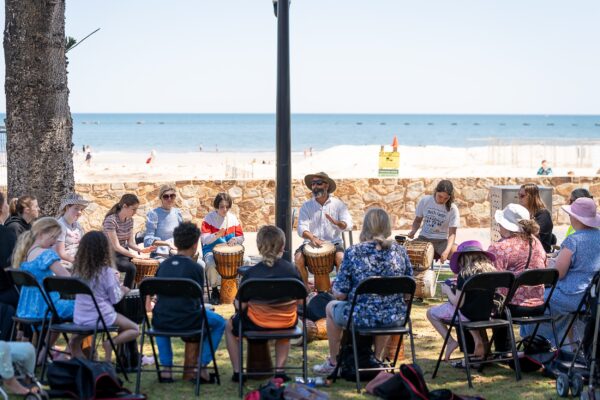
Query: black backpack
x,y
366,359
537,354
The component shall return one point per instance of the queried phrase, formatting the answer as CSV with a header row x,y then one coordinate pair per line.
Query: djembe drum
x,y
420,254
190,359
314,331
144,268
228,259
425,284
259,359
131,306
390,349
320,261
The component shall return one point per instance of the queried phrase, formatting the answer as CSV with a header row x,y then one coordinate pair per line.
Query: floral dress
x,y
31,302
363,261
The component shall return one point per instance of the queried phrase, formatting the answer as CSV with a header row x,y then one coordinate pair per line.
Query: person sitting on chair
x,y
322,218
259,317
173,314
160,223
374,256
71,208
440,218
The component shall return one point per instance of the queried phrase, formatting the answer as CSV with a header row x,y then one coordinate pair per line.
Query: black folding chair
x,y
23,279
271,290
70,287
479,286
182,288
381,286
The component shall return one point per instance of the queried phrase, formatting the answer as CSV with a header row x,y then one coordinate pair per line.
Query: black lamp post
x,y
283,191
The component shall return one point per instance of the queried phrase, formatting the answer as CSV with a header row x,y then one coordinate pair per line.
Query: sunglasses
x,y
521,196
318,183
171,196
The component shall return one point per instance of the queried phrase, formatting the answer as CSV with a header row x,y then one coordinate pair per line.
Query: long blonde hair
x,y
473,263
270,240
377,227
41,226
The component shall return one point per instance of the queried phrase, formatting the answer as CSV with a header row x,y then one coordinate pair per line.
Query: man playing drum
x,y
322,219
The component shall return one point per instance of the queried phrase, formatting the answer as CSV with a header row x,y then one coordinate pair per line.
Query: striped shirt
x,y
123,229
211,225
312,219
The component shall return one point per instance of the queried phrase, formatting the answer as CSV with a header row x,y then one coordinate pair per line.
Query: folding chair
x,y
381,286
271,290
182,288
476,286
69,287
22,279
347,242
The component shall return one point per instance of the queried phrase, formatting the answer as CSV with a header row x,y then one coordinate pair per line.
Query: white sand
x,y
340,162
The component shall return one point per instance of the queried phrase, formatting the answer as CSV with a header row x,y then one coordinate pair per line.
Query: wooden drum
x,y
420,253
314,331
320,262
144,268
390,349
259,359
228,259
425,284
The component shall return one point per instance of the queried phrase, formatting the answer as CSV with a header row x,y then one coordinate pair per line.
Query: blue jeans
x,y
217,327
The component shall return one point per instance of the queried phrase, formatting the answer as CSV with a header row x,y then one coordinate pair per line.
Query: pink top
x,y
511,255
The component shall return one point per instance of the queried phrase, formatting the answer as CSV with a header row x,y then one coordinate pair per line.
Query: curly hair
x,y
186,235
94,252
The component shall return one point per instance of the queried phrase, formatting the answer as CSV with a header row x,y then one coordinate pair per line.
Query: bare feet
x,y
15,387
107,351
450,347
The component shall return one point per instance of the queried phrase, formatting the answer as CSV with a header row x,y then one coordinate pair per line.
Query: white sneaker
x,y
147,360
326,368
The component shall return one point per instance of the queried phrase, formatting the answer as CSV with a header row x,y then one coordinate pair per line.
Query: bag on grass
x,y
366,359
537,354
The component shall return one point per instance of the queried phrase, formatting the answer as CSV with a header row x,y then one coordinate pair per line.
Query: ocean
x,y
256,132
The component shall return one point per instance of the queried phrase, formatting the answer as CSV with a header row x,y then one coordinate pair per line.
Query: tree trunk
x,y
39,127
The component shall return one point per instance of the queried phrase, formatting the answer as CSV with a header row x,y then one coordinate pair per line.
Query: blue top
x,y
160,224
585,261
31,302
363,261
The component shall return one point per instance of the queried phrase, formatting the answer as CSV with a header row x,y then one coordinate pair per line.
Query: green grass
x,y
496,382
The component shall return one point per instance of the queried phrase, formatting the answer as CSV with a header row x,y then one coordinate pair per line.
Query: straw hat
x,y
511,215
584,211
73,199
470,246
322,175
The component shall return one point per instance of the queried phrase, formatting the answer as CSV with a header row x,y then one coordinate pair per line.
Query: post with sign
x,y
389,161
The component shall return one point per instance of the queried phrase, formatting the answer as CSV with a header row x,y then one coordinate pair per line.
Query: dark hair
x,y
18,205
128,199
93,253
220,197
575,194
186,235
445,186
534,202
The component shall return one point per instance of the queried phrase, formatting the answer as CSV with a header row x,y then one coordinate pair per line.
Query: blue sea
x,y
256,132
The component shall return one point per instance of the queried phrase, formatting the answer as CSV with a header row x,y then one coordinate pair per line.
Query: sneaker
x,y
147,360
215,297
326,368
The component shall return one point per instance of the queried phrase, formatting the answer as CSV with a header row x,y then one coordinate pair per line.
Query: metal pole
x,y
283,194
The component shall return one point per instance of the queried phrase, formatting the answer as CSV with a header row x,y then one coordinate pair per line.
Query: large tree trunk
x,y
39,127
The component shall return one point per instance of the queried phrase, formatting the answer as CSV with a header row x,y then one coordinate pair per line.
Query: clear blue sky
x,y
369,56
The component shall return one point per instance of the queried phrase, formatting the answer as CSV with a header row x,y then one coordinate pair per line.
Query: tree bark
x,y
39,127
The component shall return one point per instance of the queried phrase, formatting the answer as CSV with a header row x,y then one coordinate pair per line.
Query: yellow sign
x,y
389,162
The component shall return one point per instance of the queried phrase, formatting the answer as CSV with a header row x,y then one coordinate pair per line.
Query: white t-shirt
x,y
70,235
436,219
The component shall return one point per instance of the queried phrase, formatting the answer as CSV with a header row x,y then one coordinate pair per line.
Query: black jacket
x,y
17,224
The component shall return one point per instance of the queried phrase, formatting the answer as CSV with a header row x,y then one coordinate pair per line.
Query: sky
x,y
347,56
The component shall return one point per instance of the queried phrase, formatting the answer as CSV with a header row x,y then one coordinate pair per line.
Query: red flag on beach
x,y
395,142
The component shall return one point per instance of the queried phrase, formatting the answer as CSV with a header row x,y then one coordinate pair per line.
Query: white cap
x,y
511,215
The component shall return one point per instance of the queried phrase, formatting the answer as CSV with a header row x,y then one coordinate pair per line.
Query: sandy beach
x,y
340,162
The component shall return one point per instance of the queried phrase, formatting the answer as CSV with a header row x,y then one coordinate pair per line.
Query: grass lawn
x,y
496,382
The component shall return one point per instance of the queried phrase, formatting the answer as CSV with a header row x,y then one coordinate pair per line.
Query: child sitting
x,y
94,264
469,259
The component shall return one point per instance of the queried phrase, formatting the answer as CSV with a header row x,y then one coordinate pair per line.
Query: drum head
x,y
325,248
224,248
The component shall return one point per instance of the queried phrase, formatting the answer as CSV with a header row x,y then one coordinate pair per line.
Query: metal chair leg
x,y
355,352
463,341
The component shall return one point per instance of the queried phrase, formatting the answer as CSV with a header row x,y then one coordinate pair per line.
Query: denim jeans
x,y
217,327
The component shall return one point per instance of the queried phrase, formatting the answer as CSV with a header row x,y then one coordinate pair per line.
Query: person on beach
x,y
323,218
545,169
375,255
529,197
118,227
576,194
94,264
161,221
440,218
88,156
469,259
176,314
577,262
71,208
23,211
256,316
219,226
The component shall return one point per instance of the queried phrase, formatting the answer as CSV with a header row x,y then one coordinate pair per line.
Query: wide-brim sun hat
x,y
510,216
470,246
73,199
584,210
322,175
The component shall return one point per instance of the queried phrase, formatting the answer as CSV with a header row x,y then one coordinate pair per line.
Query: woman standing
x,y
529,197
440,219
161,221
118,227
23,211
71,208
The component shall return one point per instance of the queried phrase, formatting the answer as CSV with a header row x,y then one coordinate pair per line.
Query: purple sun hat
x,y
584,210
470,246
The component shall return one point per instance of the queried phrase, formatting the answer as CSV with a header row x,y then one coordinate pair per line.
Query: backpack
x,y
538,353
272,390
366,359
84,379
